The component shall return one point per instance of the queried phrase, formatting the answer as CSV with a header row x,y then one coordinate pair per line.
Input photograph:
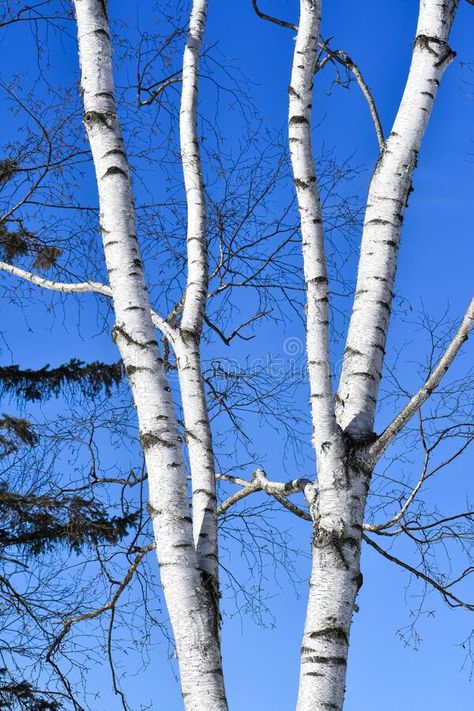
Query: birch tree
x,y
181,471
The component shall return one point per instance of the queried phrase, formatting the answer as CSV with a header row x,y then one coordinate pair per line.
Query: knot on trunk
x,y
337,542
97,118
443,51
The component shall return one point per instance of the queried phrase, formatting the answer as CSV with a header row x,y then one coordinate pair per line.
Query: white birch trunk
x,y
334,584
389,190
343,473
192,617
315,273
201,459
187,345
197,276
338,509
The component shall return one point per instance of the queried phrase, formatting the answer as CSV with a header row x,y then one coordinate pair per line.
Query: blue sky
x,y
436,258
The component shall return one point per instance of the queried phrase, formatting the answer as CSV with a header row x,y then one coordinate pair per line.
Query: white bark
x,y
389,190
198,431
201,456
344,469
345,452
315,273
334,584
85,287
197,277
192,616
338,509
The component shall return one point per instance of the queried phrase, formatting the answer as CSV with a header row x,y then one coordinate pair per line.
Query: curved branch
x,y
238,496
291,506
376,528
161,87
275,20
342,58
85,287
432,382
450,598
110,605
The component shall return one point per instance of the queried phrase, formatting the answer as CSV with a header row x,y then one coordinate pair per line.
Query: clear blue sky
x,y
261,664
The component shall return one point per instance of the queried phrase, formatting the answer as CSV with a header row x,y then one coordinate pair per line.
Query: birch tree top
x,y
205,198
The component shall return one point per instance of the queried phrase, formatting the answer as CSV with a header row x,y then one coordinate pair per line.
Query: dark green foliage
x,y
8,168
34,520
37,522
18,431
16,694
47,257
13,244
20,427
88,378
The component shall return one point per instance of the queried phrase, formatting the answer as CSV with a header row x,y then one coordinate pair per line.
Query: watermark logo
x,y
293,347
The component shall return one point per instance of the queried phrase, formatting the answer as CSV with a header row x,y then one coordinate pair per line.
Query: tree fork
x,y
193,619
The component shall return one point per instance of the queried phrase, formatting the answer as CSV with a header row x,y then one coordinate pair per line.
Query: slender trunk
x,y
196,241
192,618
314,261
389,190
201,456
198,431
337,511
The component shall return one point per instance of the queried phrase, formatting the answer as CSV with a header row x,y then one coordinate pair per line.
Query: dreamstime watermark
x,y
286,361
293,347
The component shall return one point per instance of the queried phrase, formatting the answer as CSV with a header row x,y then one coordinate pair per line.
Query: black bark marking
x,y
118,330
324,660
150,439
114,170
114,151
298,120
205,491
318,280
92,118
363,374
332,633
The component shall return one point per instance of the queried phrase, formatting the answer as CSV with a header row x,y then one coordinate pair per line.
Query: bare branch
x,y
279,490
67,624
425,391
161,87
275,20
450,598
376,528
238,496
86,287
342,58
